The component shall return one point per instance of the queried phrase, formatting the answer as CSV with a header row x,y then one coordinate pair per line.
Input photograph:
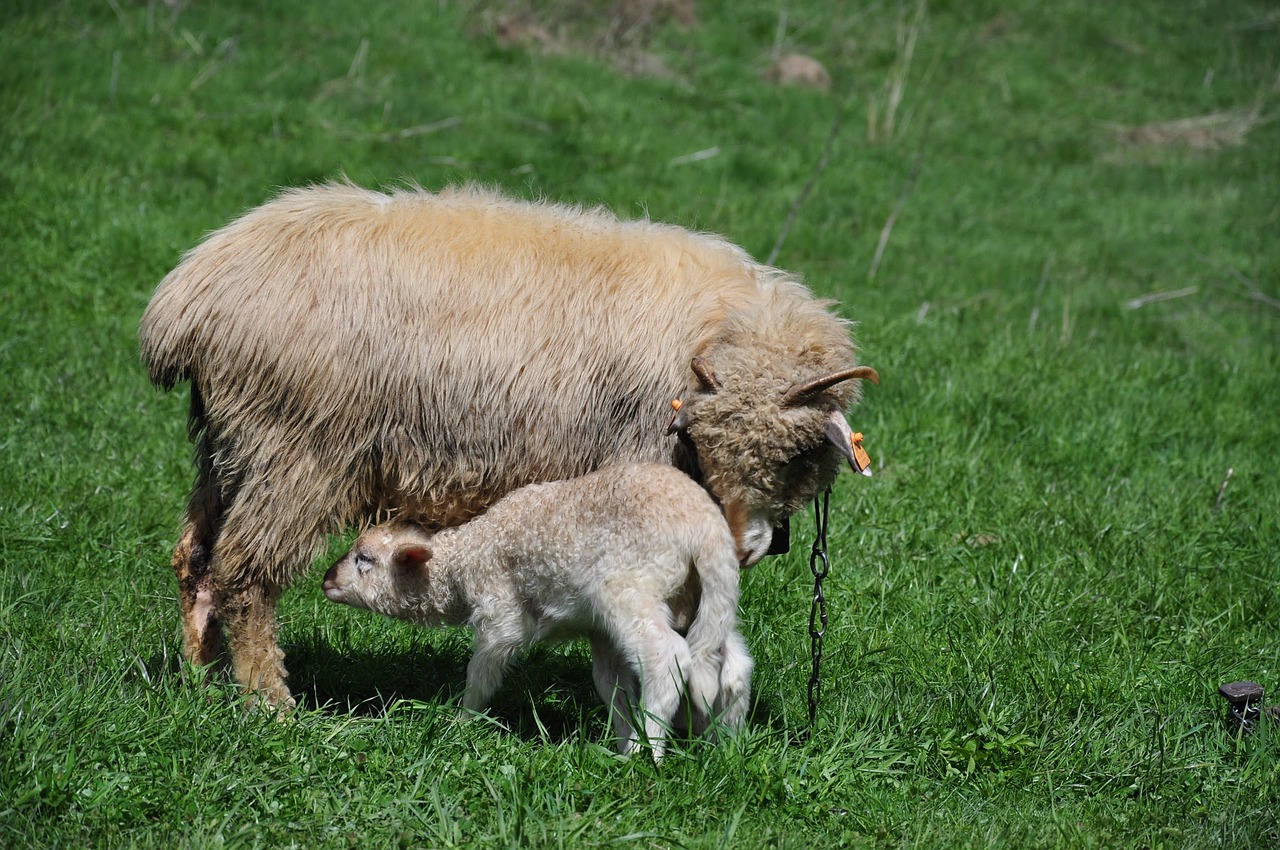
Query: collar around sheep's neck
x,y
781,541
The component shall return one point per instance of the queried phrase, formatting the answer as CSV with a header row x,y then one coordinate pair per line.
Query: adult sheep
x,y
355,355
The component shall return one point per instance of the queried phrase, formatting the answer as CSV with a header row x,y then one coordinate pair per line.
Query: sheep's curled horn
x,y
707,377
702,368
800,393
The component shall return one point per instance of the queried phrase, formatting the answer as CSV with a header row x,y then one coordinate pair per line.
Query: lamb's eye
x,y
363,562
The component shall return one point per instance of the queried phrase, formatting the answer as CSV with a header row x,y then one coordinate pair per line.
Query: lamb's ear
x,y
701,367
801,393
412,556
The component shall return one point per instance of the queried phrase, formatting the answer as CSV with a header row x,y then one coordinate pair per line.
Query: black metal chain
x,y
819,566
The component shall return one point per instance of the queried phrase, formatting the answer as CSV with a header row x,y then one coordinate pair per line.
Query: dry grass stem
x,y
426,129
885,232
696,156
1154,297
1252,291
115,77
356,68
222,54
1222,490
808,186
1044,279
881,126
405,133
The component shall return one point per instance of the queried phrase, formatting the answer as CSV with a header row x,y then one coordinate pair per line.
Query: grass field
x,y
1056,226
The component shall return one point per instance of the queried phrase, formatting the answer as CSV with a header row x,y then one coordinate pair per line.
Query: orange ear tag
x,y
860,456
675,424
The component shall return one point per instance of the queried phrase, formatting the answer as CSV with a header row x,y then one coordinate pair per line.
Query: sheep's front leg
x,y
249,614
247,585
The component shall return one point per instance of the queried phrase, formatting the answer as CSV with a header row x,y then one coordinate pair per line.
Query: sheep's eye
x,y
363,562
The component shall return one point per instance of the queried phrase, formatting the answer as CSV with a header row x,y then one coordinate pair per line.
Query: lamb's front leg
x,y
497,642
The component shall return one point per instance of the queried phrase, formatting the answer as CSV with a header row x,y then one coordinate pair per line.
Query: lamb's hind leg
x,y
192,562
734,698
617,686
662,657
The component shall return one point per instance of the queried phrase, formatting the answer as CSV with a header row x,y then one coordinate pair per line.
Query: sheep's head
x,y
386,571
769,433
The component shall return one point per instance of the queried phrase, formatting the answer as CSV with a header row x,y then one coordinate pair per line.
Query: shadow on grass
x,y
547,695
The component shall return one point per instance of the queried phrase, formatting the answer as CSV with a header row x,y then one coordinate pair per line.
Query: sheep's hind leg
x,y
192,561
252,566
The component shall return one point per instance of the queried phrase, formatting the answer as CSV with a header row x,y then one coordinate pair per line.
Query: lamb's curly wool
x,y
625,555
356,355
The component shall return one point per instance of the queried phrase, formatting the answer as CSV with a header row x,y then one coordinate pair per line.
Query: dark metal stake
x,y
1246,705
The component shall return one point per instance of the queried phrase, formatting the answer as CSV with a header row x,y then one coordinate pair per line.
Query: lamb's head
x,y
766,420
387,571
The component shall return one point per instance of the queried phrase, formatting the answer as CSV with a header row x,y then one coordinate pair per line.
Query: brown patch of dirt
x,y
996,29
520,30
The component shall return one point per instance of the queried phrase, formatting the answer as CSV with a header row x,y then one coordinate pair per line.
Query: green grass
x,y
1032,603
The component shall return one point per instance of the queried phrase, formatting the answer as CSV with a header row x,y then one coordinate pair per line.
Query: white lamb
x,y
629,555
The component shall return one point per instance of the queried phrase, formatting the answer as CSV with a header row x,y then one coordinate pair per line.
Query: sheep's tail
x,y
721,668
165,333
167,352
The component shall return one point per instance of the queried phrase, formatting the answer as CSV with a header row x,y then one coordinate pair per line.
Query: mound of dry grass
x,y
618,31
1202,132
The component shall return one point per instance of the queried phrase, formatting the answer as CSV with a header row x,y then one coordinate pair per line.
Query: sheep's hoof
x,y
281,706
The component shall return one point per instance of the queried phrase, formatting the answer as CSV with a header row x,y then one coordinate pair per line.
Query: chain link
x,y
819,566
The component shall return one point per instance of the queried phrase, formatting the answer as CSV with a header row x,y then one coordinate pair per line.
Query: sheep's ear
x,y
706,375
839,434
801,393
412,556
